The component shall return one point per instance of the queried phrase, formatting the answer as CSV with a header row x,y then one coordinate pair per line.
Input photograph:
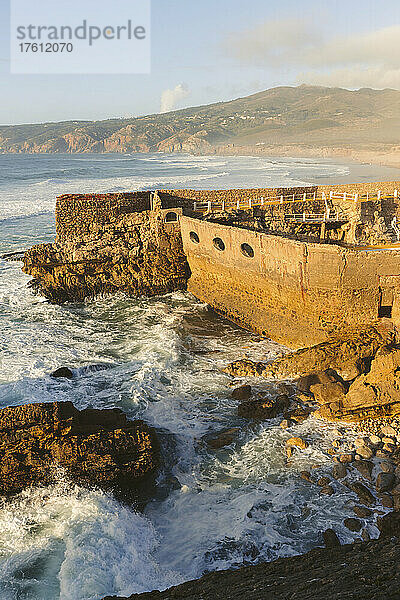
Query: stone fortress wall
x,y
296,291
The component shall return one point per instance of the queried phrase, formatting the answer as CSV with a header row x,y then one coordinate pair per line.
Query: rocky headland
x,y
39,443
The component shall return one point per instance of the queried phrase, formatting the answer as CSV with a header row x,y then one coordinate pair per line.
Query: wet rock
x,y
362,511
306,475
331,540
242,392
362,492
387,430
94,447
346,458
323,481
389,525
386,500
365,535
298,415
325,393
386,466
385,482
365,452
327,490
63,372
346,355
382,454
339,471
285,424
389,448
352,524
375,439
262,409
296,442
221,439
364,467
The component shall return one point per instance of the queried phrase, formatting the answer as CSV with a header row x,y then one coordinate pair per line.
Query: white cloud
x,y
361,59
170,98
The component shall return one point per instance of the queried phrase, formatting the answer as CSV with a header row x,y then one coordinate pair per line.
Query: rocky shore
x,y
39,443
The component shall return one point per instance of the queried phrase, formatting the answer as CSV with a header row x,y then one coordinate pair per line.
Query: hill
x,y
281,120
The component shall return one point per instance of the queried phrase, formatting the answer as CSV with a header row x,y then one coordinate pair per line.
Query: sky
x,y
213,50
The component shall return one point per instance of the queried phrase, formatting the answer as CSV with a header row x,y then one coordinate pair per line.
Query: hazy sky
x,y
209,50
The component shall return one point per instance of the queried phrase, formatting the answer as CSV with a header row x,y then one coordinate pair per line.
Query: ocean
x,y
160,360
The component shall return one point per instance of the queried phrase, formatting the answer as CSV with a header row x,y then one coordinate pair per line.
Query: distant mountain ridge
x,y
311,117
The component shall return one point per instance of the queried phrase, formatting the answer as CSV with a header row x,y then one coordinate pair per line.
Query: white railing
x,y
395,228
325,198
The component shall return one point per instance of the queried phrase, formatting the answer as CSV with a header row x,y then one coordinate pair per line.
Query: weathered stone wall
x,y
136,253
78,214
295,292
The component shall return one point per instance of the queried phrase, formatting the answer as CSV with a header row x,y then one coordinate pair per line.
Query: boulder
x,y
339,471
221,439
63,372
325,393
94,447
364,467
385,482
331,540
296,442
263,408
389,525
352,524
363,493
242,392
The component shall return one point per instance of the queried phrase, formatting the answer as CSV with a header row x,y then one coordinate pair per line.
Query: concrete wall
x,y
295,292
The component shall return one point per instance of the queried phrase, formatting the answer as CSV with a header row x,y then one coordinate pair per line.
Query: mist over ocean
x,y
162,358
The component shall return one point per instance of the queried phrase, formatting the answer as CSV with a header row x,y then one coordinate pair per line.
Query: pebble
x,y
285,423
382,454
331,540
364,467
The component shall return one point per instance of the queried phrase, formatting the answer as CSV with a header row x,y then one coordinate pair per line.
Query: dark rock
x,y
386,500
362,512
363,493
242,392
263,408
221,439
364,467
385,482
63,372
331,540
327,490
339,471
94,447
306,475
323,481
389,525
352,524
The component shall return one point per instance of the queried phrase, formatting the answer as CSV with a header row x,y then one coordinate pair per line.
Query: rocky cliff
x,y
103,249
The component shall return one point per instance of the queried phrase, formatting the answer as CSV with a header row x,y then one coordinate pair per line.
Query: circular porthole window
x,y
218,244
194,237
247,250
